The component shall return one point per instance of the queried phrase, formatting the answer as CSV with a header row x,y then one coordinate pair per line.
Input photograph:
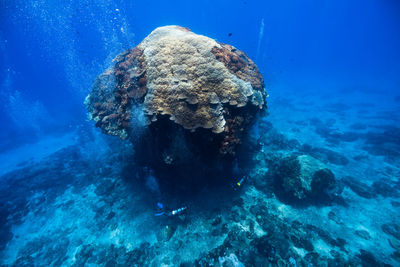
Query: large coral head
x,y
181,82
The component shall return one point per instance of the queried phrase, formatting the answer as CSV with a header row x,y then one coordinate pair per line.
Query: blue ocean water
x,y
70,195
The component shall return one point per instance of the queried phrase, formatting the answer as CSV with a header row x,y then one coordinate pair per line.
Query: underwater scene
x,y
199,133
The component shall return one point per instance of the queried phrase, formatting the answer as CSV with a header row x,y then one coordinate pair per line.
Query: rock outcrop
x,y
302,177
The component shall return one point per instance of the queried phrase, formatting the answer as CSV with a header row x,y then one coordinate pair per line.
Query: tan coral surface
x,y
187,82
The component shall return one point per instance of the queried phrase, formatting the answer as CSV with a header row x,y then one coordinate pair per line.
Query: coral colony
x,y
199,98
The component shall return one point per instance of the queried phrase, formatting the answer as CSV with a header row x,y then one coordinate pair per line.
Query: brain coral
x,y
194,81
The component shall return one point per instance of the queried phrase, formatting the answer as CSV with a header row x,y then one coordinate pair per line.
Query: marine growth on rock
x,y
189,88
302,176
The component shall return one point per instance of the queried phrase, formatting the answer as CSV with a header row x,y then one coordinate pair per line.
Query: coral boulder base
x,y
175,76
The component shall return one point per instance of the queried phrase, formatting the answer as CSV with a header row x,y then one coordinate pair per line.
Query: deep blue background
x,y
51,51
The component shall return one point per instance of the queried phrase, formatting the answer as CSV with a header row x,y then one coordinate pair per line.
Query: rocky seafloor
x,y
89,205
